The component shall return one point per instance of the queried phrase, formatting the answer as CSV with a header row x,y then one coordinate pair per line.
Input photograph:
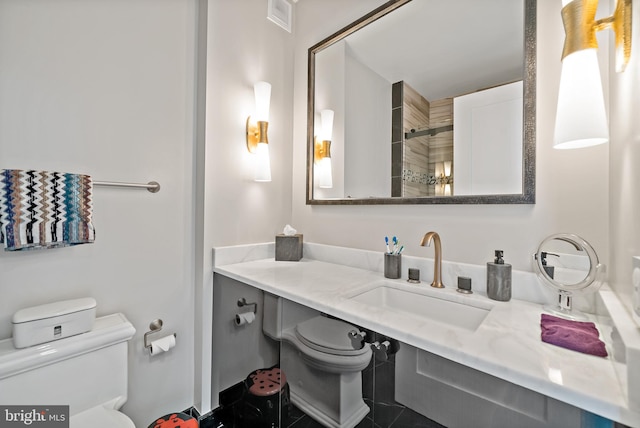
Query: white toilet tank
x,y
279,314
82,371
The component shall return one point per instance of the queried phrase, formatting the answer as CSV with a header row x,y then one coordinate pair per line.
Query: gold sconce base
x,y
256,133
322,149
578,18
580,28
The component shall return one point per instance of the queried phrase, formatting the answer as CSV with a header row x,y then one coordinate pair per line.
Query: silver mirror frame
x,y
528,195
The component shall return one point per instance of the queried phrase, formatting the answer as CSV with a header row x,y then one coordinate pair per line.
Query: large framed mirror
x,y
425,102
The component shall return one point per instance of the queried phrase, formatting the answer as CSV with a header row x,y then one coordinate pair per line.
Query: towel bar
x,y
152,186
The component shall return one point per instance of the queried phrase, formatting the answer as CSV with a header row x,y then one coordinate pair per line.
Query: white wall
x,y
624,159
367,131
243,47
331,65
106,88
572,186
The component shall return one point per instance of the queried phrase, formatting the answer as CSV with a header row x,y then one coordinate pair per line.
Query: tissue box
x,y
288,248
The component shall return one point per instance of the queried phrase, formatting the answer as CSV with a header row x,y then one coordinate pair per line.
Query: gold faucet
x,y
437,262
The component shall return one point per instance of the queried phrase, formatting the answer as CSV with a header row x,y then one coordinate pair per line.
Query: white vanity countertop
x,y
507,344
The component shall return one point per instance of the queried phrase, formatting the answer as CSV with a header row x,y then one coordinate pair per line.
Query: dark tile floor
x,y
212,420
378,392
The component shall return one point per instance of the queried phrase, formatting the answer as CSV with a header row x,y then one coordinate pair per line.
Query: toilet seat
x,y
320,342
101,417
328,335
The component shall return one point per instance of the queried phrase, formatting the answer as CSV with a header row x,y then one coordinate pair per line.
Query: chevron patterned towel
x,y
40,209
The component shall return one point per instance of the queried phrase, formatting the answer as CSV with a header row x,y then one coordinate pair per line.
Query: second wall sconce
x,y
581,119
257,129
322,150
443,178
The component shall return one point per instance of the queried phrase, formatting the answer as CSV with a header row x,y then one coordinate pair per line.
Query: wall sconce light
x,y
447,168
257,127
447,177
322,150
443,178
581,119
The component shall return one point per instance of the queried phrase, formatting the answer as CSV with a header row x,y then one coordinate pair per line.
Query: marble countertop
x,y
506,344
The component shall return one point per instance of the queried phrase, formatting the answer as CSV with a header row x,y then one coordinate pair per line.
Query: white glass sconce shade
x,y
262,92
325,179
263,164
581,119
447,168
326,130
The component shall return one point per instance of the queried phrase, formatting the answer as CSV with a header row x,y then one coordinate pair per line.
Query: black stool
x,y
266,403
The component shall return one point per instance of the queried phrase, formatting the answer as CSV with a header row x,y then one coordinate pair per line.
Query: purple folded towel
x,y
575,335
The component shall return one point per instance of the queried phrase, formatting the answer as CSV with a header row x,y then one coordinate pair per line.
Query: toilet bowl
x,y
87,372
323,369
101,417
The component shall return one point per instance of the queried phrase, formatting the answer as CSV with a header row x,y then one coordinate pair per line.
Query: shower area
x,y
422,144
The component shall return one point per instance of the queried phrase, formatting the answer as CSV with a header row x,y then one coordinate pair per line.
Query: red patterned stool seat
x,y
175,420
267,382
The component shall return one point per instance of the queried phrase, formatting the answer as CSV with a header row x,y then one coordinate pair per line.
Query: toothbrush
x,y
400,250
395,244
386,240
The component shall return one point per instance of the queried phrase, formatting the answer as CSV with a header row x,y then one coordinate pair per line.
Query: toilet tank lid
x,y
107,330
54,309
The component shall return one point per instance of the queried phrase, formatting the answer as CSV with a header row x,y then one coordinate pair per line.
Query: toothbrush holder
x,y
392,266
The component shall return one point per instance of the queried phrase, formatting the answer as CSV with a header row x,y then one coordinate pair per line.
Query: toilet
x,y
323,369
87,371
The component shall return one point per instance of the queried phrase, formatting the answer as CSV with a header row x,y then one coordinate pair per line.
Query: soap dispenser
x,y
499,279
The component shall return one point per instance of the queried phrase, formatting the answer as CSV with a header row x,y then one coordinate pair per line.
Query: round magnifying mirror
x,y
568,264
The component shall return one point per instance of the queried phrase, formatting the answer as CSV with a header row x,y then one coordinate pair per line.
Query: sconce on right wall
x,y
322,151
581,119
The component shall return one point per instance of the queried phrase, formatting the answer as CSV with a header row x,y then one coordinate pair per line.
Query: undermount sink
x,y
420,304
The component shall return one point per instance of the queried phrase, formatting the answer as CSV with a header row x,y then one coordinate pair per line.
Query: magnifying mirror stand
x,y
563,309
567,287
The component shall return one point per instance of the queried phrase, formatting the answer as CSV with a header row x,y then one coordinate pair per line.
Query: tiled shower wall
x,y
397,138
441,144
414,160
415,115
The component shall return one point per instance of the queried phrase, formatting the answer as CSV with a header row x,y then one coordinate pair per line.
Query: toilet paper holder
x,y
154,327
243,302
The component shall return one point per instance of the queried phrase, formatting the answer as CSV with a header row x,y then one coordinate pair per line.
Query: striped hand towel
x,y
40,209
